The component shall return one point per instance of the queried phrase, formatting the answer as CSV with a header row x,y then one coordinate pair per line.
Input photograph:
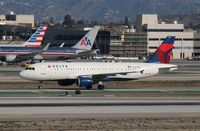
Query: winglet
x,y
46,47
62,45
87,41
163,52
36,39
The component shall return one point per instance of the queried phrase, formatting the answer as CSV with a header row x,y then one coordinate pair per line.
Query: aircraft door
x,y
43,72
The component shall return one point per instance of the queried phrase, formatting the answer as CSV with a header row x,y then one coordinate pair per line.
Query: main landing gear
x,y
78,91
40,85
101,86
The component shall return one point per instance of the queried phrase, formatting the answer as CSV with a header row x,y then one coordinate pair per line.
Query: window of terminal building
x,y
188,39
164,30
178,39
177,47
11,17
187,47
161,39
197,39
182,55
153,39
153,47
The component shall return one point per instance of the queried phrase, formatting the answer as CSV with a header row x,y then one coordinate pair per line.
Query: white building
x,y
157,31
12,19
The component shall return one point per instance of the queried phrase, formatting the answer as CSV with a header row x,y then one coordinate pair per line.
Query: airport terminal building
x,y
17,20
149,34
186,42
128,44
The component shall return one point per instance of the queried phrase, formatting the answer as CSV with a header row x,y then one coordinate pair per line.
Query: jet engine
x,y
84,81
37,57
10,58
66,82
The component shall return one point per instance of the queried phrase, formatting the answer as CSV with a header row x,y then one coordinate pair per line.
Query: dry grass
x,y
157,124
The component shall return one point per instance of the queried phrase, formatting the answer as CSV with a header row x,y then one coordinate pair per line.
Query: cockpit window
x,y
29,68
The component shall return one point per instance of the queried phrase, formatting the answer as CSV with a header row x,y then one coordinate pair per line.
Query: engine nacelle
x,y
84,81
10,58
37,57
66,82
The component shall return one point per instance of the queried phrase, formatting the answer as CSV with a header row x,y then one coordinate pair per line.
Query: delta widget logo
x,y
86,42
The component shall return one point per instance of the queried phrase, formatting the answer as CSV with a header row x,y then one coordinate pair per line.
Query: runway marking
x,y
99,104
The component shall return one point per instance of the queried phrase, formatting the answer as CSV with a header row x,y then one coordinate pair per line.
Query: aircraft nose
x,y
23,75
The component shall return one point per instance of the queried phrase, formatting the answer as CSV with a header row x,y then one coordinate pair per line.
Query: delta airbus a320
x,y
86,74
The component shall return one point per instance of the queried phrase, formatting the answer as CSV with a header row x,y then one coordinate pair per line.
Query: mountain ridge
x,y
99,10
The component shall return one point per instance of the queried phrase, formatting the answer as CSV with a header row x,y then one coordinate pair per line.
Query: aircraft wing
x,y
30,56
87,53
101,77
25,57
168,69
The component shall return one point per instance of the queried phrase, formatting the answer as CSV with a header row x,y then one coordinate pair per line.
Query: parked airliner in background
x,y
32,49
85,74
14,53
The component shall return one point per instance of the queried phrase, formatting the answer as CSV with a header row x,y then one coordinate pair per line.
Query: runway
x,y
152,99
131,92
86,107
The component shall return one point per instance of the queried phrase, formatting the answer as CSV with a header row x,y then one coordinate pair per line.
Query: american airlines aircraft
x,y
32,49
85,74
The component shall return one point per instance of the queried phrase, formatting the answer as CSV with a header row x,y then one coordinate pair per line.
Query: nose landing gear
x,y
40,85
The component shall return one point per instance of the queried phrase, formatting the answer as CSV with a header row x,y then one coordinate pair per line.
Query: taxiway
x,y
86,107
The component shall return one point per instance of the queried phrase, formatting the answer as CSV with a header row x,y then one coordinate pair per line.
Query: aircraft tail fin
x,y
36,39
163,52
87,41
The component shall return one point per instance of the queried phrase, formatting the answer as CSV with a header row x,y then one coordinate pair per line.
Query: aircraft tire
x,y
77,92
40,87
101,87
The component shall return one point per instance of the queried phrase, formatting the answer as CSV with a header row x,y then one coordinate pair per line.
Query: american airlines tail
x,y
163,52
36,39
87,41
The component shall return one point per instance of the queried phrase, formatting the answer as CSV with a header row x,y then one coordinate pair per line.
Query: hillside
x,y
100,10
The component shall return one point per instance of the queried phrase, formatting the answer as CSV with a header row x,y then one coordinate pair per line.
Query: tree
x,y
68,22
51,21
80,22
126,22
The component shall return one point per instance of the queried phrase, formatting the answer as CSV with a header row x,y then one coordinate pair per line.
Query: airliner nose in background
x,y
85,74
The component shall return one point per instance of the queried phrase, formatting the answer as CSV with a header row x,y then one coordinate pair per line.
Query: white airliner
x,y
85,74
